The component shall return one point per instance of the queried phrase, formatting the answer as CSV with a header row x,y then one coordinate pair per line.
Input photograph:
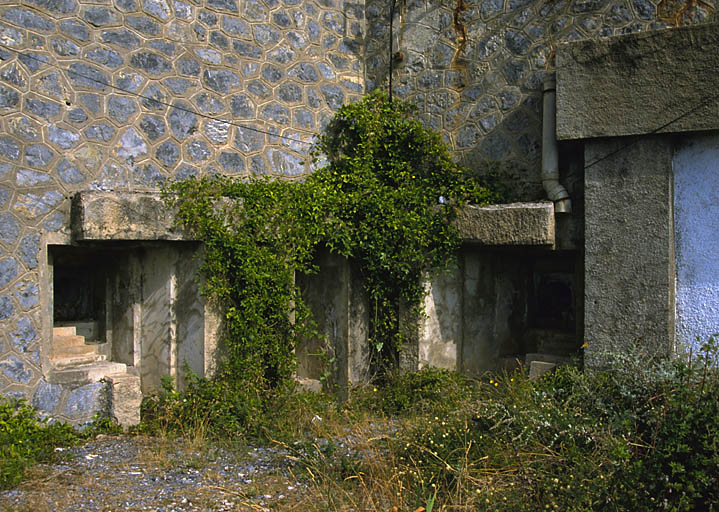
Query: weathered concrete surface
x,y
696,218
339,306
475,316
125,398
440,332
122,216
663,81
629,246
507,224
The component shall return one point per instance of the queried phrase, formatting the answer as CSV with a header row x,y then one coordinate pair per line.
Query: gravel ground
x,y
113,473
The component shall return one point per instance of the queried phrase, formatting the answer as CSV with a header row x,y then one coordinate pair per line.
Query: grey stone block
x,y
152,63
7,310
225,5
153,98
209,104
75,29
539,368
9,148
198,150
15,370
24,335
9,98
232,163
9,228
104,57
8,271
143,24
334,96
46,397
217,131
241,106
304,72
99,16
86,401
27,294
101,132
148,175
86,76
123,38
38,155
28,19
183,122
153,126
248,140
56,6
62,138
168,153
131,145
29,249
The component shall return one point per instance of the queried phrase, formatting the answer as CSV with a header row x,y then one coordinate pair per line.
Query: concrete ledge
x,y
513,224
144,216
122,216
638,83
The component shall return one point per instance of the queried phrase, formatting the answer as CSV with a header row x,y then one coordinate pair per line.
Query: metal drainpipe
x,y
550,155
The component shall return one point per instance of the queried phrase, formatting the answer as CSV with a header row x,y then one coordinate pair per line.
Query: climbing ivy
x,y
384,194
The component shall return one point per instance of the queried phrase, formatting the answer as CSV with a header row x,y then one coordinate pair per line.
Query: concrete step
x,y
89,329
72,351
66,362
64,330
62,341
87,372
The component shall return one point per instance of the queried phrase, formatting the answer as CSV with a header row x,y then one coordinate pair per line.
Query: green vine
x,y
385,197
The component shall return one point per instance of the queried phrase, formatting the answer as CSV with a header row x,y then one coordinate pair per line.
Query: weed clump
x,y
25,439
609,440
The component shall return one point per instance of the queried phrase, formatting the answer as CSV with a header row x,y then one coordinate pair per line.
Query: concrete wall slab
x,y
659,81
629,246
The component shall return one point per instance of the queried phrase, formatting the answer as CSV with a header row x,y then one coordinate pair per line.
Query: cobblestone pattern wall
x,y
475,68
127,94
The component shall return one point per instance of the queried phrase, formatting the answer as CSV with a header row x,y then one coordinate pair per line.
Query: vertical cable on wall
x,y
391,40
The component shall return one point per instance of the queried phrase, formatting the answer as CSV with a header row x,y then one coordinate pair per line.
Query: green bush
x,y
640,435
25,440
414,392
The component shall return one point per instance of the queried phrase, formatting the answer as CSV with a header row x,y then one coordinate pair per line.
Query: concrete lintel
x,y
516,224
123,216
651,82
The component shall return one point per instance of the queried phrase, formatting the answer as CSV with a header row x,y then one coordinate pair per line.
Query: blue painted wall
x,y
696,227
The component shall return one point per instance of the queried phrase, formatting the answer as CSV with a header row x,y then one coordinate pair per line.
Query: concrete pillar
x,y
629,246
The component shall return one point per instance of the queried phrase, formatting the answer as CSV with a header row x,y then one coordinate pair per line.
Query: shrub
x,y
25,440
631,437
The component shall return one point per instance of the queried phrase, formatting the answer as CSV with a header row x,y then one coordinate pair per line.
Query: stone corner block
x,y
123,216
125,398
530,224
539,368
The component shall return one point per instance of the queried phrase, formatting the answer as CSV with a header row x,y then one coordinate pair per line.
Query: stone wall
x,y
126,95
475,67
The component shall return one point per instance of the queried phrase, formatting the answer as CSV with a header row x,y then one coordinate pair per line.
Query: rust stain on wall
x,y
460,29
673,11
